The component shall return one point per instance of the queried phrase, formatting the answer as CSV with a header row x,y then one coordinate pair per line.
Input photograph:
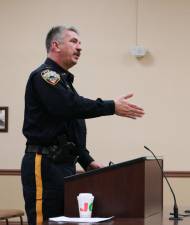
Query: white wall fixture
x,y
138,50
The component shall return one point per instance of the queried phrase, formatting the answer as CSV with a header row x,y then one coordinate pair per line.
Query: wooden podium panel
x,y
129,189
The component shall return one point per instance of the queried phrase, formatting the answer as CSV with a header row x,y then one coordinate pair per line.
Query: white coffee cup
x,y
85,204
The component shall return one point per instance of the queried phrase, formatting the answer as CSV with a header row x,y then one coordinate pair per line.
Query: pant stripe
x,y
38,177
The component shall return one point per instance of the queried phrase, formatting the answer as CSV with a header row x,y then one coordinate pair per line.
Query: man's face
x,y
69,48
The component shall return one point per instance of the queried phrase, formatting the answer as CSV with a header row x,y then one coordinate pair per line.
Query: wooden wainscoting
x,y
16,172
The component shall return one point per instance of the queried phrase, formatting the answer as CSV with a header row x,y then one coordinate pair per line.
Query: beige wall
x,y
160,81
181,187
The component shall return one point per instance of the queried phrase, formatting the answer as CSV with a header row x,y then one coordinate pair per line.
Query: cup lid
x,y
85,195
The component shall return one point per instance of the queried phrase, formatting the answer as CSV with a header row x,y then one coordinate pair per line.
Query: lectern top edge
x,y
96,171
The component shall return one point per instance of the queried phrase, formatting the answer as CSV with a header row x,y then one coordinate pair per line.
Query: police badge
x,y
50,77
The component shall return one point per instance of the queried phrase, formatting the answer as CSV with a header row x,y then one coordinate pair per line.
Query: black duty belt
x,y
44,150
55,153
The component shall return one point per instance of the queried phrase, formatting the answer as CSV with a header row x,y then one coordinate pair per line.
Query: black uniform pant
x,y
43,186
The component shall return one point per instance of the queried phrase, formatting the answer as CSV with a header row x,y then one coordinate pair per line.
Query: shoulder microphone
x,y
175,208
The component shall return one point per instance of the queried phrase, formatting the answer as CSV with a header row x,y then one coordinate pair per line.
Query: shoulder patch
x,y
50,76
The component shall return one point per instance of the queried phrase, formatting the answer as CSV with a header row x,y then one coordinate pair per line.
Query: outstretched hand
x,y
126,109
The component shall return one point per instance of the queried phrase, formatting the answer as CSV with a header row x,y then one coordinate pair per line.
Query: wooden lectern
x,y
130,189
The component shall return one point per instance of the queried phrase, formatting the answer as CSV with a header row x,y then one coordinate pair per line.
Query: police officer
x,y
54,126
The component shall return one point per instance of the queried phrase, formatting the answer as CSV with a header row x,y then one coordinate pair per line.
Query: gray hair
x,y
55,34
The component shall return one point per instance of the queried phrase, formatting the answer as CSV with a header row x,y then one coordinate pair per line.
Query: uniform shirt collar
x,y
54,66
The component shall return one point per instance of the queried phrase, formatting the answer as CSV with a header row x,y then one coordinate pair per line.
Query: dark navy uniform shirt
x,y
53,107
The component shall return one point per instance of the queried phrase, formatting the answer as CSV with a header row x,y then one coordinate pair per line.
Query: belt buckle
x,y
48,150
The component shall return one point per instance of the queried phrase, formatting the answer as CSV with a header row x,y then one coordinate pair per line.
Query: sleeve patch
x,y
50,77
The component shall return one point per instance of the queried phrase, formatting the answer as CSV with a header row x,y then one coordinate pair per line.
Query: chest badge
x,y
50,76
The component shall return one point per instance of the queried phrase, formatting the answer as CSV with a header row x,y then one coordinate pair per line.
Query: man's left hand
x,y
94,165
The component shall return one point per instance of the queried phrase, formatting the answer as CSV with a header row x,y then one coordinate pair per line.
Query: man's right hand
x,y
126,109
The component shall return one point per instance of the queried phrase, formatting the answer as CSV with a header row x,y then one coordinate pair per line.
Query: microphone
x,y
175,208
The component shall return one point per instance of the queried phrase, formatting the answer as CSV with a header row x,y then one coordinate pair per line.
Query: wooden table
x,y
157,219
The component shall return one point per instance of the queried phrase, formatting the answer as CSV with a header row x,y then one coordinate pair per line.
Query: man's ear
x,y
55,46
